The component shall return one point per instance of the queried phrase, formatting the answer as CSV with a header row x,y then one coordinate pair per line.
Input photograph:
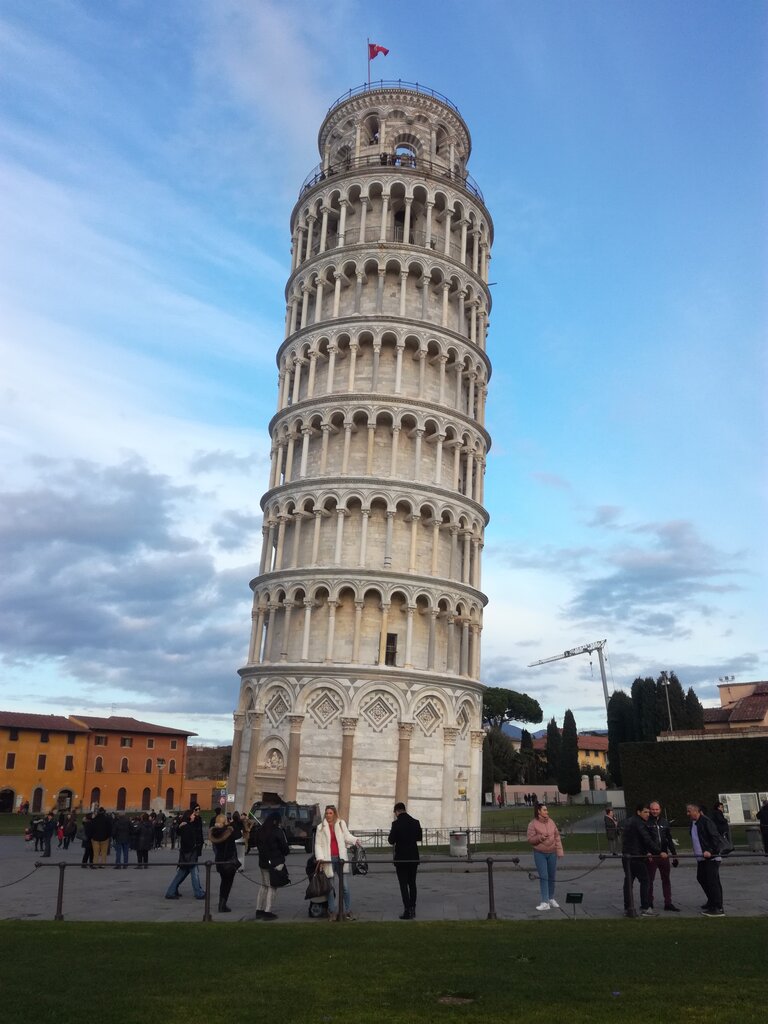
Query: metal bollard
x,y
491,899
59,916
631,910
207,905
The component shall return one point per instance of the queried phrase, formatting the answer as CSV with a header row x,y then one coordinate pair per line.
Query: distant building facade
x,y
80,761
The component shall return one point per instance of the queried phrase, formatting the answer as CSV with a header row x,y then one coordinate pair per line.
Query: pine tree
x,y
569,773
621,729
554,743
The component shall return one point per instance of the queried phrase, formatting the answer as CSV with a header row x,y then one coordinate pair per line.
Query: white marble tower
x,y
362,679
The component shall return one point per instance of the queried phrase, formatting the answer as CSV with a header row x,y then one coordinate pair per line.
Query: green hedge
x,y
678,772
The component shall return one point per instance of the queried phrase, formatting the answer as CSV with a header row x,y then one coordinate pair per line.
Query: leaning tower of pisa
x,y
362,680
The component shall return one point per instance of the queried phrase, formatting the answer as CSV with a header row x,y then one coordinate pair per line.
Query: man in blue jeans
x,y
187,858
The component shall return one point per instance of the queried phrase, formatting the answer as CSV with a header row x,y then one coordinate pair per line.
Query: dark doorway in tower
x,y
390,651
399,226
6,801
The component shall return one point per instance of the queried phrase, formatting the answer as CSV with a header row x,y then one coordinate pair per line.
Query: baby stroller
x,y
317,905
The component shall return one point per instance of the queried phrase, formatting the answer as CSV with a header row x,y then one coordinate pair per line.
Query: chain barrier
x,y
382,867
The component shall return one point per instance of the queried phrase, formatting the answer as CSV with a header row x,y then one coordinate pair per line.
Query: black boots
x,y
408,914
223,908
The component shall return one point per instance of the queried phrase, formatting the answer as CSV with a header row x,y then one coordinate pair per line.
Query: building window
x,y
99,766
150,744
174,744
148,766
69,763
390,651
171,767
121,795
10,760
70,738
100,741
95,796
169,798
124,765
13,734
41,759
44,736
126,741
146,797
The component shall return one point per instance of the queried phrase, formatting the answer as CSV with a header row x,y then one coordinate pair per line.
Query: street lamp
x,y
665,682
160,766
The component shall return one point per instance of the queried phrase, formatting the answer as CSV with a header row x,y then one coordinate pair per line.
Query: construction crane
x,y
598,646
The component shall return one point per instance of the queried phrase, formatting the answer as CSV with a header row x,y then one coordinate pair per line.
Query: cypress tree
x,y
621,729
693,710
569,773
554,743
645,709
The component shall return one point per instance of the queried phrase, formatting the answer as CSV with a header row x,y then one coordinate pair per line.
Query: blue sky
x,y
150,155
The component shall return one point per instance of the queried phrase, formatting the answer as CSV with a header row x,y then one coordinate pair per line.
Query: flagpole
x,y
368,51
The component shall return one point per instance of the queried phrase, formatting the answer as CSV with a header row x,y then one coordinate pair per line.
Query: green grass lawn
x,y
699,971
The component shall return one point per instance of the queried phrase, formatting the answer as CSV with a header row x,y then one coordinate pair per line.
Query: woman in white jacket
x,y
332,839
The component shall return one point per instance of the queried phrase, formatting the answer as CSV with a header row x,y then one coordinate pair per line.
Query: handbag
x,y
319,886
278,876
358,860
726,846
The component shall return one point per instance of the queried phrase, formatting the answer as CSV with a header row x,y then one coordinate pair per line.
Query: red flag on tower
x,y
374,50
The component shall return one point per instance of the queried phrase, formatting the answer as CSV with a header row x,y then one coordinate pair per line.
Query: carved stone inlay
x,y
274,761
379,711
277,708
324,708
428,717
463,723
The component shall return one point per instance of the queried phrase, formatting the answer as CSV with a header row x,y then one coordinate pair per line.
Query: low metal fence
x,y
507,862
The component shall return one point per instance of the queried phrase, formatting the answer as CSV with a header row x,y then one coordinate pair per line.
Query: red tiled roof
x,y
53,723
717,714
117,724
750,709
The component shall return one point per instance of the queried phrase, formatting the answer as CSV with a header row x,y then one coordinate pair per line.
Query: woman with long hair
x,y
544,836
273,849
332,840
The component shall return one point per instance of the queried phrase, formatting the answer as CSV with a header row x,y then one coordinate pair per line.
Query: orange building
x,y
133,765
78,762
42,761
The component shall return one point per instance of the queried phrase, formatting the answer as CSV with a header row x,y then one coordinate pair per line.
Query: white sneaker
x,y
554,904
543,906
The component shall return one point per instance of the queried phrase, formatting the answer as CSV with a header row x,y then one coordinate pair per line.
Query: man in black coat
x,y
404,835
706,842
637,847
660,829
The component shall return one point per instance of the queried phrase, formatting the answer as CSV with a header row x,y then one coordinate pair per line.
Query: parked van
x,y
298,821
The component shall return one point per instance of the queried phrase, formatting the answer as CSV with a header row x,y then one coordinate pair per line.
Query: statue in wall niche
x,y
274,761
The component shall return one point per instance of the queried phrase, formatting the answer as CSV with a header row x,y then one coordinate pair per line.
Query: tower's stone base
x,y
360,741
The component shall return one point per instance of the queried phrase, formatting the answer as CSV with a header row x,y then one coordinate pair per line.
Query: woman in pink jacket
x,y
544,837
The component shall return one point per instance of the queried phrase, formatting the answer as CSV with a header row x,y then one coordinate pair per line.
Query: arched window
x,y
169,794
145,799
171,767
95,796
148,766
99,765
37,800
121,799
124,765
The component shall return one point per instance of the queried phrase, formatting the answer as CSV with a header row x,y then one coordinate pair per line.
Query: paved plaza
x,y
449,890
